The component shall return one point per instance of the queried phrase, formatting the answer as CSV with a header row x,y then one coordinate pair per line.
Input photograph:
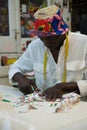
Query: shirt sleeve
x,y
82,84
22,65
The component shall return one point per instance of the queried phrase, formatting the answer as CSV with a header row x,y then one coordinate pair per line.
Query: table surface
x,y
40,119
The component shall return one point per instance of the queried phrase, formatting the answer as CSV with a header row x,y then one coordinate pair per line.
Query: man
x,y
57,57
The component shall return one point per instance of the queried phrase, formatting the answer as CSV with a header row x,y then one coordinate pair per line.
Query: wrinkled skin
x,y
51,94
25,85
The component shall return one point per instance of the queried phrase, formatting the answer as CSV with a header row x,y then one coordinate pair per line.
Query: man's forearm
x,y
70,87
17,76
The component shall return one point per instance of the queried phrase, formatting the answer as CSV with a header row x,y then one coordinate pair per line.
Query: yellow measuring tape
x,y
64,77
44,67
65,59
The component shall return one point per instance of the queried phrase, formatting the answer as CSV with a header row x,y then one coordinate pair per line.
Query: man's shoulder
x,y
77,39
36,42
77,35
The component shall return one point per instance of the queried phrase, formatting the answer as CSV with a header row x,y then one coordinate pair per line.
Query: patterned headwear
x,y
48,21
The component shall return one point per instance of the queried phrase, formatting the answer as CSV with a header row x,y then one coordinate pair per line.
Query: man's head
x,y
53,41
49,22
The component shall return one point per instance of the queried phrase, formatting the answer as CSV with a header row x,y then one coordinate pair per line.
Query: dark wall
x,y
79,16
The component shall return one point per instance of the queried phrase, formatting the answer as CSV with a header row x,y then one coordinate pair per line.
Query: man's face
x,y
53,42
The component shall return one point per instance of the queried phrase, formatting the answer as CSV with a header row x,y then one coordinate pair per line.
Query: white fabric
x,y
9,122
32,60
40,119
83,90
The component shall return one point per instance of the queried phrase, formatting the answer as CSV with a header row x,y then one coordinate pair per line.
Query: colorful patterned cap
x,y
49,21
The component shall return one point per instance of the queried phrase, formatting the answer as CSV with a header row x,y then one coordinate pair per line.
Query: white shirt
x,y
32,60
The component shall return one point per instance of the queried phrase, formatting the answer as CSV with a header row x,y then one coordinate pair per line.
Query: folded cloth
x,y
33,101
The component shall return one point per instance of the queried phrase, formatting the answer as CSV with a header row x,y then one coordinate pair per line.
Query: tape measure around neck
x,y
44,67
64,76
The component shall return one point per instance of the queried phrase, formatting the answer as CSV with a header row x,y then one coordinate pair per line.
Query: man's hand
x,y
51,94
25,85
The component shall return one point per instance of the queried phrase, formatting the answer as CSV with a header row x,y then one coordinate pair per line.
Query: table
x,y
40,119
